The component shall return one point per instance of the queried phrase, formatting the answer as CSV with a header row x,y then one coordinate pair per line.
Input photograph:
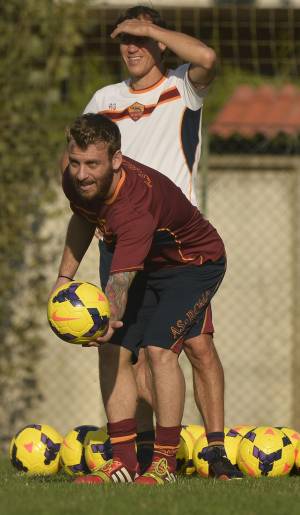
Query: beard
x,y
95,190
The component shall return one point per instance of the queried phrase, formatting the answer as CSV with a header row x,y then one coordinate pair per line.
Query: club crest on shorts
x,y
136,111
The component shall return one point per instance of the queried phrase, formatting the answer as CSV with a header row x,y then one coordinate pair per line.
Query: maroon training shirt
x,y
149,221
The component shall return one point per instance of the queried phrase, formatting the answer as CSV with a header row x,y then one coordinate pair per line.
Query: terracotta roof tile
x,y
264,110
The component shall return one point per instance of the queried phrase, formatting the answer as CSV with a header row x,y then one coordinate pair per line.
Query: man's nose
x,y
132,48
82,172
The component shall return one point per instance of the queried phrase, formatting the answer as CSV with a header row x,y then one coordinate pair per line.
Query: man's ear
x,y
117,160
64,162
162,47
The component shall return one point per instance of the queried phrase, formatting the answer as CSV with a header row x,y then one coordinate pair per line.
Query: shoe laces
x,y
160,468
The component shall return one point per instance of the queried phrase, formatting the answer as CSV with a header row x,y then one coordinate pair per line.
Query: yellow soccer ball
x,y
243,429
78,312
97,448
231,442
72,452
35,450
297,458
266,451
184,456
293,435
195,430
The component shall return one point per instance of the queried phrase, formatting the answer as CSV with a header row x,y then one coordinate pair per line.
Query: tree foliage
x,y
38,40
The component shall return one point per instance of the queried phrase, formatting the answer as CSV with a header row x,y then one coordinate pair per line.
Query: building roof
x,y
264,110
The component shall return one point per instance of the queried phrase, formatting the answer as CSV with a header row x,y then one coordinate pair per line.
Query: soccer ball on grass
x,y
184,457
231,443
266,451
35,450
72,452
97,448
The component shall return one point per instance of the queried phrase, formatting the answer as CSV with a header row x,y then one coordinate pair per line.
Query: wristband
x,y
66,277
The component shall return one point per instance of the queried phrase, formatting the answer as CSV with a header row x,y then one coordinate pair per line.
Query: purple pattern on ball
x,y
232,432
100,322
266,461
250,436
52,449
70,295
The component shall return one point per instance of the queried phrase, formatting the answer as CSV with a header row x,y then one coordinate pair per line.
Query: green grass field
x,y
21,495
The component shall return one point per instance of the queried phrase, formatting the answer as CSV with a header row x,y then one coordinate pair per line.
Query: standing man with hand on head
x,y
159,113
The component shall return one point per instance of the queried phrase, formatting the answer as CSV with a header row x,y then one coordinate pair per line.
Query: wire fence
x,y
253,201
260,40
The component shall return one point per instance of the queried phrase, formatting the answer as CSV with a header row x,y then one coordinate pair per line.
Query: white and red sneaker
x,y
113,471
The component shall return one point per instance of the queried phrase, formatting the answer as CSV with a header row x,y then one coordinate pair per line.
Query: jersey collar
x,y
121,181
144,90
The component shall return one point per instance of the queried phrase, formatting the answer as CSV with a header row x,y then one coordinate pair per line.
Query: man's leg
x,y
169,393
208,380
119,393
118,386
144,412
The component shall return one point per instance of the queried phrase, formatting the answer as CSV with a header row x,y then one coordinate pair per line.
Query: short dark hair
x,y
90,128
142,10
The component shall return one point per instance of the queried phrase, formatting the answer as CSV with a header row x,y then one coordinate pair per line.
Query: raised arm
x,y
187,48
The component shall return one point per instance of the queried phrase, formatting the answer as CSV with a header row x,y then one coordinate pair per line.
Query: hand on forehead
x,y
138,27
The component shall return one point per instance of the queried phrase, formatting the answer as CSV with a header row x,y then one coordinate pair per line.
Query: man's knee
x,y
161,358
200,349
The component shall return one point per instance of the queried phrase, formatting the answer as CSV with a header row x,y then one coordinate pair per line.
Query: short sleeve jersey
x,y
160,126
148,222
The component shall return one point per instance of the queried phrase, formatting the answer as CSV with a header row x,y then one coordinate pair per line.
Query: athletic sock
x,y
166,444
122,436
145,444
215,438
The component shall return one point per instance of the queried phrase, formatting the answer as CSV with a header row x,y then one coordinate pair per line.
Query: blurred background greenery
x,y
55,54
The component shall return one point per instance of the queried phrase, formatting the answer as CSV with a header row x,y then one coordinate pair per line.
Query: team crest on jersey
x,y
136,111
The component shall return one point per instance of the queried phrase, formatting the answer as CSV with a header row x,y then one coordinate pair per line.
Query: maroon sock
x,y
122,436
166,444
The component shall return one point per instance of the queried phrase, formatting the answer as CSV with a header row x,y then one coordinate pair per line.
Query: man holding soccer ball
x,y
159,113
168,262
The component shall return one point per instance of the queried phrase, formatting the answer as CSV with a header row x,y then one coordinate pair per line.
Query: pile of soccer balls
x,y
256,451
38,449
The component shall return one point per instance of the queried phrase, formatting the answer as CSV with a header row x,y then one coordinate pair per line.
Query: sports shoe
x,y
157,474
113,471
219,465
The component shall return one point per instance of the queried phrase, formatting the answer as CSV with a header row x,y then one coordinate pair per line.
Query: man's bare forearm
x,y
117,292
79,236
187,48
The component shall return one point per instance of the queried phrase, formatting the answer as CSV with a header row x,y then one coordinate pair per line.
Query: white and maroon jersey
x,y
160,126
